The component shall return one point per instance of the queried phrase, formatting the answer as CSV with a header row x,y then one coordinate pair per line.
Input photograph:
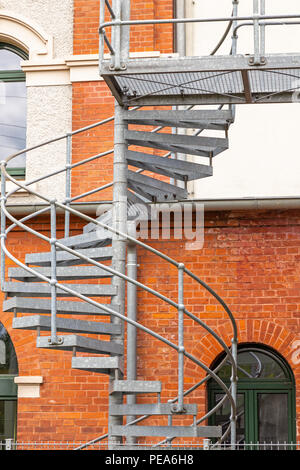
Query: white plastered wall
x,y
44,28
264,155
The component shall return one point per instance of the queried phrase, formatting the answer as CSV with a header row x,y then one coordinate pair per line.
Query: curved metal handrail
x,y
144,287
53,205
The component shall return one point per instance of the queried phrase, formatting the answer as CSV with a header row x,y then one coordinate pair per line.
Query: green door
x,y
265,400
8,389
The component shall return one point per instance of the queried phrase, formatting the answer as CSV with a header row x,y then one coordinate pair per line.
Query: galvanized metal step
x,y
101,365
195,119
135,386
62,273
134,203
173,168
100,237
43,323
64,307
35,289
150,409
106,218
203,146
66,259
155,189
81,344
166,431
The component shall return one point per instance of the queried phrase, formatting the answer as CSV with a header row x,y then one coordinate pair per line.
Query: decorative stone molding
x,y
29,387
77,68
22,32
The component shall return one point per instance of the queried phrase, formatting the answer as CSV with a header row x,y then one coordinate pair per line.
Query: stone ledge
x,y
28,386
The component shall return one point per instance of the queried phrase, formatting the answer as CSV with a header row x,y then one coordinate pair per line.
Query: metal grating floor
x,y
238,83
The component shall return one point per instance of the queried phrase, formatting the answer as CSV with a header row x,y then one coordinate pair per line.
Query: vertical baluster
x,y
101,35
68,183
117,35
256,32
180,335
3,221
53,281
234,394
262,29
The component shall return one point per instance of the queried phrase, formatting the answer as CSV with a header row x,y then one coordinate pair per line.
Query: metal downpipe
x,y
131,330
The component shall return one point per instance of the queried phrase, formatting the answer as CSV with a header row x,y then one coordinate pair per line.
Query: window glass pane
x,y
255,365
9,60
223,416
13,121
8,410
8,358
273,417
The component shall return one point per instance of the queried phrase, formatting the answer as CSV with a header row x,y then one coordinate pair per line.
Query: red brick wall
x,y
250,258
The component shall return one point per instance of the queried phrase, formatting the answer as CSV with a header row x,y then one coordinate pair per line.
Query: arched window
x,y
8,389
12,107
265,400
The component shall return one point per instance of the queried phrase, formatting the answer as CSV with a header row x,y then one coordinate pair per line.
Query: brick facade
x,y
250,258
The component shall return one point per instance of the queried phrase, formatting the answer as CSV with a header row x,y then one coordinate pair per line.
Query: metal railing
x,y
54,207
118,59
12,445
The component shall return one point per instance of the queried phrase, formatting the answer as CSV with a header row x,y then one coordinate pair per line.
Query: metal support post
x,y
119,245
256,33
181,50
68,183
131,330
3,224
234,395
180,336
262,29
9,444
53,339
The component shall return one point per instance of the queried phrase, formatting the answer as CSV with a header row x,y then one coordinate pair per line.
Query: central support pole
x,y
119,250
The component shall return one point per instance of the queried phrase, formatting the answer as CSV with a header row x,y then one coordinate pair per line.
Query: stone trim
x,y
28,386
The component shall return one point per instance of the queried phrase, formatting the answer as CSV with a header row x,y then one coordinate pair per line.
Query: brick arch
x,y
264,332
261,331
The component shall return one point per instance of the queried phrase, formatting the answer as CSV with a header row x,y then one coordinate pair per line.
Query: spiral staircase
x,y
74,278
38,287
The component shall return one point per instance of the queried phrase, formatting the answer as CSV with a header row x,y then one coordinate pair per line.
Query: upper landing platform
x,y
209,80
205,80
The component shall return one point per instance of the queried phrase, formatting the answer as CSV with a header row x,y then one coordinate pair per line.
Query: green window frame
x,y
8,388
249,391
14,76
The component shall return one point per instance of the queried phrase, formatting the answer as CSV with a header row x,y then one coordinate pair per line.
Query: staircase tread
x,y
167,431
65,324
173,168
151,409
38,288
82,344
135,386
155,188
28,305
101,365
104,253
62,272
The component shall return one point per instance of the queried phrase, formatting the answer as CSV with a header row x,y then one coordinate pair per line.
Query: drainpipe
x,y
180,45
132,314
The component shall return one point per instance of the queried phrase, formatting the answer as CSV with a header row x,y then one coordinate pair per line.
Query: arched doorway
x,y
265,400
8,389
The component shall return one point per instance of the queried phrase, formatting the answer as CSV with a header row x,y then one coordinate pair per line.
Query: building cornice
x,y
76,68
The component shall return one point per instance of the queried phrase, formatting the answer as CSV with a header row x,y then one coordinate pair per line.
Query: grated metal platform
x,y
205,80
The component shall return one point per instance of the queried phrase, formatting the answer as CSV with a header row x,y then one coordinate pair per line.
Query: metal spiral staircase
x,y
38,286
